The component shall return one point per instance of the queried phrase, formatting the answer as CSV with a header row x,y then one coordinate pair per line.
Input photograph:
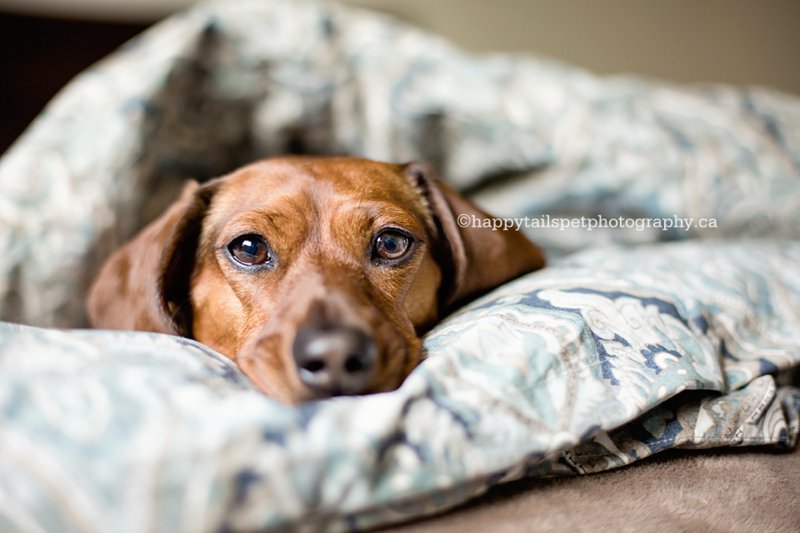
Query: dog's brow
x,y
381,213
264,221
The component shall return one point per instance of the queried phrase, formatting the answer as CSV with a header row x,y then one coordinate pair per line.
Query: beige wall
x,y
734,41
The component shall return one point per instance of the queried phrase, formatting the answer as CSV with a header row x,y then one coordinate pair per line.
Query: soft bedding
x,y
629,347
608,358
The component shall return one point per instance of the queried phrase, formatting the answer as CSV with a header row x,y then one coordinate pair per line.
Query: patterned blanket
x,y
626,348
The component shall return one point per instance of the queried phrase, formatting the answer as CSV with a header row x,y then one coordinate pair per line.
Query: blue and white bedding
x,y
625,346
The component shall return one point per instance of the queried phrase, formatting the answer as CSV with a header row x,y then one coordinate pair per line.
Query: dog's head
x,y
316,275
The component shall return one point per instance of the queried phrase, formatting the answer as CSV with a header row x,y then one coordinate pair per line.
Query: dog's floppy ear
x,y
144,285
473,257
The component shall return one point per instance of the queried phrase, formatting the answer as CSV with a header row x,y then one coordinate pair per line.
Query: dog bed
x,y
624,347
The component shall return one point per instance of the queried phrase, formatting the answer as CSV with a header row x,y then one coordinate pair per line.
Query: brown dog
x,y
316,275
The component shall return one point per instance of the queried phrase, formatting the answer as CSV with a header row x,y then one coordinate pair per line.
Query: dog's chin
x,y
308,394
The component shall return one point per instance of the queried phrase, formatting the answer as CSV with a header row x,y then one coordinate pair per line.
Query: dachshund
x,y
317,276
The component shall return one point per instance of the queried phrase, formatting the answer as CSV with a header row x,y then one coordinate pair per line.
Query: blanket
x,y
626,346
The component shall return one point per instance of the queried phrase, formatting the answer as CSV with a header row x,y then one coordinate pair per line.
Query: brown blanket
x,y
740,490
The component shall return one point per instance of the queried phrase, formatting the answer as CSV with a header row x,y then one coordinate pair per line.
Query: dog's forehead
x,y
317,179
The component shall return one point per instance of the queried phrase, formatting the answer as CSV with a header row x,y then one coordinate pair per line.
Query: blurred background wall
x,y
732,41
43,43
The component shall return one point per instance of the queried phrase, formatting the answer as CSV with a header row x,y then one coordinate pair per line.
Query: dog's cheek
x,y
399,363
413,355
212,298
421,301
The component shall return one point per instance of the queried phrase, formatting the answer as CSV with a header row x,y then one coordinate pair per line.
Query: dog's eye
x,y
250,250
391,246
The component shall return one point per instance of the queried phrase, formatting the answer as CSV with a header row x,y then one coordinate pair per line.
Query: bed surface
x,y
680,491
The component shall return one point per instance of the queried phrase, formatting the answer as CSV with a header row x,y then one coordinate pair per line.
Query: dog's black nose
x,y
336,360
